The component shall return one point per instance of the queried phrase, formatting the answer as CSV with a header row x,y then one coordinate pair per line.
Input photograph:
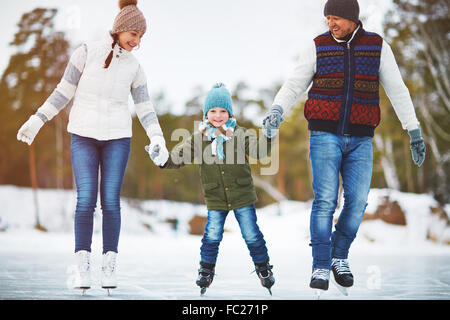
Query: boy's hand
x,y
272,121
158,151
29,129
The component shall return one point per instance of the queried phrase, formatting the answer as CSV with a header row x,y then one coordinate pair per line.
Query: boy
x,y
227,184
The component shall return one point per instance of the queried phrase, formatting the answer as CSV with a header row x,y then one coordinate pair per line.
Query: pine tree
x,y
31,75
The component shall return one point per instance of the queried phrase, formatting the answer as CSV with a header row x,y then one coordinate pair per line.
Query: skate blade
x,y
83,292
202,291
341,289
109,290
318,293
84,289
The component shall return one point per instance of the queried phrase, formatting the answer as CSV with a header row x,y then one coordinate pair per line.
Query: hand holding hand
x,y
272,121
158,151
153,154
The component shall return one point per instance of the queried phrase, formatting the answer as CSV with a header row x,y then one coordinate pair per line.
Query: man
x,y
345,65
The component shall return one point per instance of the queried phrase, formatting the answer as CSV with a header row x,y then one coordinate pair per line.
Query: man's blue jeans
x,y
253,237
88,156
332,155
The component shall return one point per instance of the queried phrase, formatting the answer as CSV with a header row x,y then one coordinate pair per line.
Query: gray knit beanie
x,y
347,9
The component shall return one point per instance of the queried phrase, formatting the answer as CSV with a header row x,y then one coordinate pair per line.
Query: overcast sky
x,y
198,42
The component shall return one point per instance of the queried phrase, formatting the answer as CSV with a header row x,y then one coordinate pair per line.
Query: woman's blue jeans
x,y
88,157
253,237
332,155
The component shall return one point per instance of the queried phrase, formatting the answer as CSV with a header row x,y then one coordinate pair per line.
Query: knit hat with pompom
x,y
218,96
129,18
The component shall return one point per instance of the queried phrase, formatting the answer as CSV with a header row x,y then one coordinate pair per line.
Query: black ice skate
x,y
265,275
320,280
343,278
205,276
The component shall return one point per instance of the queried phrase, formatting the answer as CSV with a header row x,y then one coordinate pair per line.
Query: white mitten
x,y
158,151
29,129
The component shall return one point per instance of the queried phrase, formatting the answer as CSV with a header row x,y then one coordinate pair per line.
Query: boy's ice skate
x,y
343,278
83,271
265,274
205,276
109,280
319,280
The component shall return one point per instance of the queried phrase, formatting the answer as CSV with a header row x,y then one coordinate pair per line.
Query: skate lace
x,y
204,272
341,266
266,269
110,265
323,274
84,263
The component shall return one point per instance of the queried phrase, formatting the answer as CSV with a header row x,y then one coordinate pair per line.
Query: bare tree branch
x,y
424,112
433,51
437,82
271,190
387,161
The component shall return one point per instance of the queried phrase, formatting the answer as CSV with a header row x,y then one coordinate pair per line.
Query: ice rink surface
x,y
36,265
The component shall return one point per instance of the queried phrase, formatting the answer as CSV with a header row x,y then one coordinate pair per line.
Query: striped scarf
x,y
218,135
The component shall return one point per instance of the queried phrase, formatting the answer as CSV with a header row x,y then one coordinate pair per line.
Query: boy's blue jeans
x,y
88,156
352,158
253,237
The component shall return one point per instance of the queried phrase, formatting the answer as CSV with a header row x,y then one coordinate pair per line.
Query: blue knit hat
x,y
220,97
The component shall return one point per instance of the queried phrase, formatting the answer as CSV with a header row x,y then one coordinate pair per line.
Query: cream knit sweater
x,y
390,78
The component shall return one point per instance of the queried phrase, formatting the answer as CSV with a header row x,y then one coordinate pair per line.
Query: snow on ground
x,y
389,262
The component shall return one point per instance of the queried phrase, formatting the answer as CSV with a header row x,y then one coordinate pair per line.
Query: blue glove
x,y
272,121
417,146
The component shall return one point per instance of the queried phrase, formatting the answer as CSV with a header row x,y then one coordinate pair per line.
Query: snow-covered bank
x,y
280,223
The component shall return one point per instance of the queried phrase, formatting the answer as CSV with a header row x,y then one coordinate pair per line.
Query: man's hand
x,y
417,146
272,121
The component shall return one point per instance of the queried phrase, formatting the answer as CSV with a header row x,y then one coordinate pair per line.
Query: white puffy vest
x,y
100,107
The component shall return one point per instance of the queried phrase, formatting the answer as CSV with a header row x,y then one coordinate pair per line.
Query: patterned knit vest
x,y
344,97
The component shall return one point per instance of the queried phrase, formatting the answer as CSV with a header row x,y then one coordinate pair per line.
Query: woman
x,y
100,76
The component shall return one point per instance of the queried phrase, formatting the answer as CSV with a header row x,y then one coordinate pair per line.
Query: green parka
x,y
227,184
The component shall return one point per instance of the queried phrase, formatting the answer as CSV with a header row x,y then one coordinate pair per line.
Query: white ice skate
x,y
83,271
109,280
